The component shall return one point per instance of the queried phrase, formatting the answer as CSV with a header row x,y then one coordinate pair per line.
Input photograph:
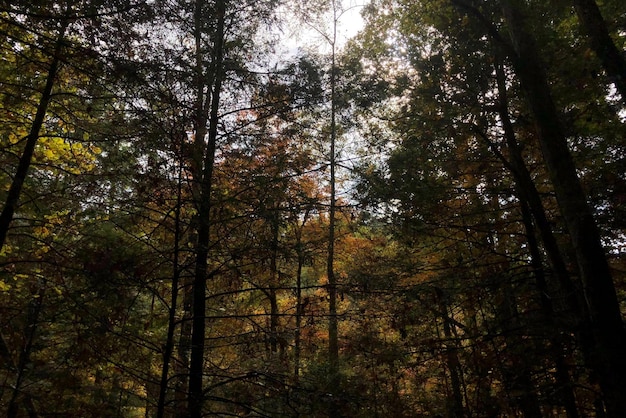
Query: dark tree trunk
x,y
519,379
300,306
181,364
612,59
530,196
452,358
15,190
34,309
171,323
299,312
274,314
562,376
273,319
531,202
333,332
203,199
592,263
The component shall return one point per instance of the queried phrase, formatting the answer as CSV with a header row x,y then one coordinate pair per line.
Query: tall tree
x,y
206,109
333,331
590,255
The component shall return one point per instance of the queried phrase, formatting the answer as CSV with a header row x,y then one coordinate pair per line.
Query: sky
x,y
308,36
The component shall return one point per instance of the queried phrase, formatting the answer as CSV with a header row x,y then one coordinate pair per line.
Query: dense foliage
x,y
425,221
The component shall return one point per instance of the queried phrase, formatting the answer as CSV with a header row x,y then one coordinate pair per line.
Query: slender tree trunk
x,y
563,379
171,323
299,313
610,56
592,263
13,196
181,365
273,319
333,332
276,347
34,309
196,396
482,398
529,193
452,359
11,364
274,315
518,377
300,306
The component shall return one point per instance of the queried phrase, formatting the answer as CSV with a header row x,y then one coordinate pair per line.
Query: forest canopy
x,y
425,220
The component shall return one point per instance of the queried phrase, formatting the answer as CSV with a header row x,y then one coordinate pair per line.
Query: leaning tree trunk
x,y
531,206
562,375
34,310
610,56
593,266
15,190
23,166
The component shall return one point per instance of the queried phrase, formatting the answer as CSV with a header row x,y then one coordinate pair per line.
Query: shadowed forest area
x,y
425,220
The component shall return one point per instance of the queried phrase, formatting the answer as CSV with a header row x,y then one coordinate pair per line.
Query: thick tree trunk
x,y
529,197
612,58
592,263
531,202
